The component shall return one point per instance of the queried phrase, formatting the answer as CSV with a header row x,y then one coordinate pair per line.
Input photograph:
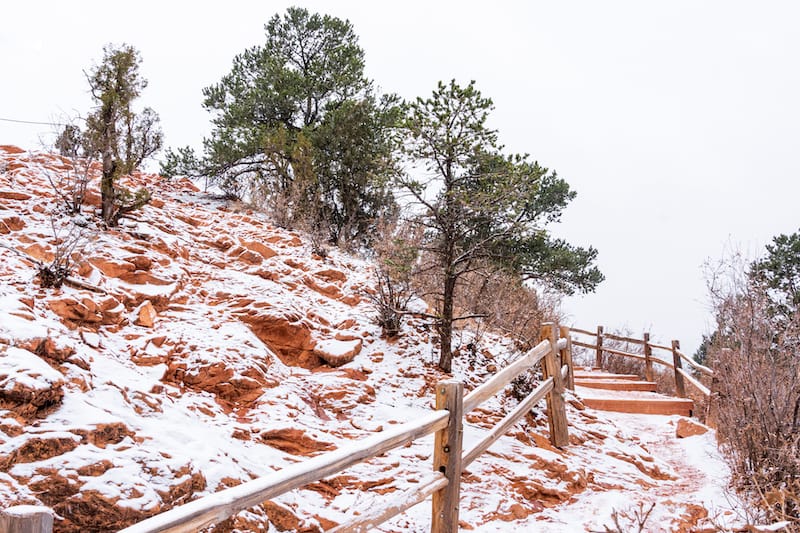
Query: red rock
x,y
145,315
141,262
689,428
331,291
9,224
112,268
188,220
287,336
38,252
143,278
76,312
264,251
294,441
338,352
14,195
11,149
249,256
111,310
186,184
331,275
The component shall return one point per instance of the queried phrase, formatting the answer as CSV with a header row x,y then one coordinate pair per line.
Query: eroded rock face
x,y
286,335
220,379
28,386
294,441
689,428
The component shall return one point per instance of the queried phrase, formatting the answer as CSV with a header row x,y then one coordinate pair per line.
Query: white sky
x,y
678,123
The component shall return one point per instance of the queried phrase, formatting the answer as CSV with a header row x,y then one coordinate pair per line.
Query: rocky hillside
x,y
198,346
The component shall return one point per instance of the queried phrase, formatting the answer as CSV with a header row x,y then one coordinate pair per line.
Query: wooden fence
x,y
678,357
449,459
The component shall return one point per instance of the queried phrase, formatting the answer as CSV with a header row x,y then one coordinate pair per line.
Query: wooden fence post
x,y
26,519
680,388
599,359
557,413
566,357
447,457
648,358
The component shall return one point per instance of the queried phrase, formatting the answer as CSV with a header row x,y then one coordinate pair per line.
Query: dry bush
x,y
756,360
396,250
503,304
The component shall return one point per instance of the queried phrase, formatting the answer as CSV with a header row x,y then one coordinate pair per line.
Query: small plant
x,y
631,520
55,273
70,187
523,385
390,301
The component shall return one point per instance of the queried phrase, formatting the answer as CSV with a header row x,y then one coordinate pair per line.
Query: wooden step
x,y
581,374
616,384
647,406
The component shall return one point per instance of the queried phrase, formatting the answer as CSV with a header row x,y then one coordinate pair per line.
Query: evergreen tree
x,y
297,124
779,273
481,208
122,138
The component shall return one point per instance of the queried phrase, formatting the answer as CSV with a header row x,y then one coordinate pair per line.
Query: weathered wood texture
x,y
447,457
617,384
648,358
557,413
702,368
666,406
26,519
219,506
680,388
566,356
623,339
505,376
573,329
694,381
401,502
509,420
598,362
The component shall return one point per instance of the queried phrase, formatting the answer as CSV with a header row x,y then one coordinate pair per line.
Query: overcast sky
x,y
678,123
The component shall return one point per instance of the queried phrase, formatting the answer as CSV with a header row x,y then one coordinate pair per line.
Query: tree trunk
x,y
107,186
446,324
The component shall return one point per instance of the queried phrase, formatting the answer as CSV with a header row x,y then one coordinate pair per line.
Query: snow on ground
x,y
199,362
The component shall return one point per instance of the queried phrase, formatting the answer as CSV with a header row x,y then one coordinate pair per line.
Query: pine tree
x,y
120,137
481,209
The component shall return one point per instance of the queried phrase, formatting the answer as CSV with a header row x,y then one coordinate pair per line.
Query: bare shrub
x,y
68,241
70,186
633,519
504,304
397,250
756,391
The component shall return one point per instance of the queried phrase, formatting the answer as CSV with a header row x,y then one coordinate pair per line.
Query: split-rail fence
x,y
554,353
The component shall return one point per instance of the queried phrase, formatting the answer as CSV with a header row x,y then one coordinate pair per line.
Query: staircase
x,y
626,393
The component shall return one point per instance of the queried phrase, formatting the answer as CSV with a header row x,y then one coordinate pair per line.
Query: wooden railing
x,y
554,352
449,459
678,357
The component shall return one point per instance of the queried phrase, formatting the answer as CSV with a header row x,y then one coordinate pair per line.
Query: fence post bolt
x,y
447,457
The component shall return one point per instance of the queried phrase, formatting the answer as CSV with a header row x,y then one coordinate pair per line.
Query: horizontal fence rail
x,y
678,357
552,353
217,507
